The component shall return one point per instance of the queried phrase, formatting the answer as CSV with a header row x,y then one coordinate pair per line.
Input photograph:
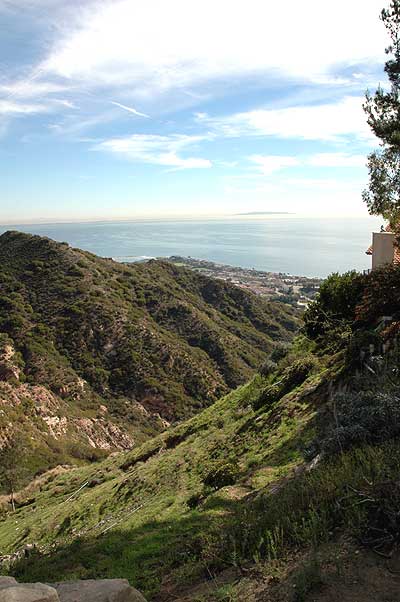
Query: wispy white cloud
x,y
162,45
272,163
30,88
158,150
11,107
130,109
64,103
269,164
328,122
144,51
337,160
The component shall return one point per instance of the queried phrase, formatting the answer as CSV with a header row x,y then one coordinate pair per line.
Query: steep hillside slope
x,y
94,354
163,504
300,457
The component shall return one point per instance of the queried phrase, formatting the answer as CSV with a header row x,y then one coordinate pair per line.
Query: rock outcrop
x,y
7,582
103,590
26,592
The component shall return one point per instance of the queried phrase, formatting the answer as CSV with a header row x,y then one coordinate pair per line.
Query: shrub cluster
x,y
363,417
221,475
336,304
293,376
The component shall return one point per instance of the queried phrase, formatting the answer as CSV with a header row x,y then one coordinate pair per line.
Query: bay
x,y
293,245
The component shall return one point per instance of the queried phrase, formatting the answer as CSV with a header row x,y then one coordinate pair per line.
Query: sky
x,y
125,108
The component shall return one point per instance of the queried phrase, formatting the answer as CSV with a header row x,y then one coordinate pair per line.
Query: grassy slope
x,y
147,496
231,485
151,515
96,333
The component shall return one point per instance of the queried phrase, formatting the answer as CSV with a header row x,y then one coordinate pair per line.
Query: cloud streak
x,y
130,109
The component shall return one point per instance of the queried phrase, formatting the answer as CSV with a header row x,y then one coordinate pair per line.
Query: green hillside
x,y
302,455
95,355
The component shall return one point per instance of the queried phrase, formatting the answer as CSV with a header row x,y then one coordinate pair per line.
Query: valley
x,y
96,356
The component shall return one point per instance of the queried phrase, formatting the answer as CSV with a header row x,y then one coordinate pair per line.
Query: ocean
x,y
293,245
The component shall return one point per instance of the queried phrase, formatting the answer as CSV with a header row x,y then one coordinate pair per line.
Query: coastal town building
x,y
384,249
274,286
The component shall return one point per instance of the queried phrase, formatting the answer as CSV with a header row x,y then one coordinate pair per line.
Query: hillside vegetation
x,y
96,356
299,458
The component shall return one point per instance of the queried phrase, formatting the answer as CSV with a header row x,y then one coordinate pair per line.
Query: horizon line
x,y
178,217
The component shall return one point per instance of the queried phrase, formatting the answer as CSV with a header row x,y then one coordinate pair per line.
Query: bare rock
x,y
7,582
101,590
28,592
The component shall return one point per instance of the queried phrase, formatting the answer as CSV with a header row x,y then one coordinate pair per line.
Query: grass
x,y
171,540
162,513
229,487
150,515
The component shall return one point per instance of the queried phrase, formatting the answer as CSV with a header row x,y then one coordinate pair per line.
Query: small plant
x,y
307,579
267,368
195,500
279,351
221,475
292,377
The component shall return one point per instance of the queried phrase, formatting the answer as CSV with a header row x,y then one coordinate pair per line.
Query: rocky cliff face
x,y
53,430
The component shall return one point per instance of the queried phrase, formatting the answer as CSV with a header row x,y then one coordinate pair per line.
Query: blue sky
x,y
124,108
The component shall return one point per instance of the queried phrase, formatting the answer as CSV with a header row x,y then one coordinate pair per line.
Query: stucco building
x,y
384,248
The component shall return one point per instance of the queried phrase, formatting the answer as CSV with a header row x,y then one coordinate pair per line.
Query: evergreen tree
x,y
383,114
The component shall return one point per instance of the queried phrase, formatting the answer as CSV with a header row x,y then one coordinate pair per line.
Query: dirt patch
x,y
338,572
364,577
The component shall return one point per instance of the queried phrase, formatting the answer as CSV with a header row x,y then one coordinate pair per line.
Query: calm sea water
x,y
301,246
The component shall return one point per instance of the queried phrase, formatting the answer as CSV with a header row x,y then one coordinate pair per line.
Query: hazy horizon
x,y
187,217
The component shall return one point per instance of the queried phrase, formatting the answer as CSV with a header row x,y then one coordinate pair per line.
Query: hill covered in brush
x,y
95,355
278,491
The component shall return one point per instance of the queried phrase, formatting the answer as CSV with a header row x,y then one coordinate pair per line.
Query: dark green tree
x,y
383,115
12,470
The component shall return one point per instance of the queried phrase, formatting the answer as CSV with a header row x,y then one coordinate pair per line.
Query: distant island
x,y
266,213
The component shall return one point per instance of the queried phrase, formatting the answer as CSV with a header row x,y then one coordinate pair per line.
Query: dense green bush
x,y
279,351
221,475
360,342
335,305
380,295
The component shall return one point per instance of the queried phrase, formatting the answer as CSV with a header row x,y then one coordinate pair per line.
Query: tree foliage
x,y
383,115
335,305
12,469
